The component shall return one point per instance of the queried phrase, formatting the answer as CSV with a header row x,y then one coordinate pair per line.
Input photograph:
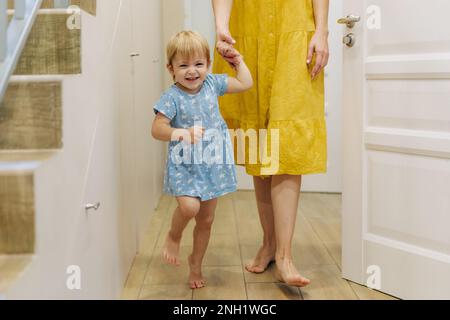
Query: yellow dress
x,y
273,37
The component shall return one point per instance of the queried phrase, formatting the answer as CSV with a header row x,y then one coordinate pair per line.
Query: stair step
x,y
90,6
51,48
31,116
16,211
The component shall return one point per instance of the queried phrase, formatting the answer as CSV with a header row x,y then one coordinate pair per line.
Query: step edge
x,y
40,78
51,11
32,155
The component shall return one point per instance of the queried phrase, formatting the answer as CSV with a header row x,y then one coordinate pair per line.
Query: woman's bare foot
x,y
171,251
263,259
196,280
287,273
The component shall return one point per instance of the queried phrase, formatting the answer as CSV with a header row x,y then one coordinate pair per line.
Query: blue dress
x,y
204,170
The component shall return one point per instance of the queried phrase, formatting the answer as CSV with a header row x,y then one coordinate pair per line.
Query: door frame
x,y
352,148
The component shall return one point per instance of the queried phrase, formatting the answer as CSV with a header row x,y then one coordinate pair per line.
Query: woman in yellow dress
x,y
285,44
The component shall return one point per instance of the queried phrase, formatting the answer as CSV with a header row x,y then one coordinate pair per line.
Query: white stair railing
x,y
13,36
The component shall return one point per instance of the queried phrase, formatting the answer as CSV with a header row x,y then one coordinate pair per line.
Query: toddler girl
x,y
200,166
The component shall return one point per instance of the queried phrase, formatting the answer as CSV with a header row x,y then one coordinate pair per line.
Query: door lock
x,y
349,40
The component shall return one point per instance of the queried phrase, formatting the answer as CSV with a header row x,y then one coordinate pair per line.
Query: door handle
x,y
91,206
349,20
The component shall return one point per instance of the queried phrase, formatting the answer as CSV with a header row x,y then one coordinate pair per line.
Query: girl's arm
x,y
243,80
161,130
319,42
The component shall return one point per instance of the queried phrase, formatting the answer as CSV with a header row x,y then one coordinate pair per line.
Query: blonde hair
x,y
187,43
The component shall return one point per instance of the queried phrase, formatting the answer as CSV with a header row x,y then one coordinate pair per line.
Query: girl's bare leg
x,y
266,253
202,233
285,198
187,209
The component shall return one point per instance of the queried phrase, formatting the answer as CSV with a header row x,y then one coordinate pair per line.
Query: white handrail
x,y
14,35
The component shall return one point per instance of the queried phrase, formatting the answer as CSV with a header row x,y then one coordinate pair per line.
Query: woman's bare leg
x,y
285,198
266,253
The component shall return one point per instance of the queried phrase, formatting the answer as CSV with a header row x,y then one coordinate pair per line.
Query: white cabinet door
x,y
396,135
107,236
147,166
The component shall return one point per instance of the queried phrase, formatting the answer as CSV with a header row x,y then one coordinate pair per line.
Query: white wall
x,y
332,180
173,21
200,17
100,111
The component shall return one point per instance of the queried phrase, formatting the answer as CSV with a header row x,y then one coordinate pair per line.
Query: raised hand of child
x,y
229,53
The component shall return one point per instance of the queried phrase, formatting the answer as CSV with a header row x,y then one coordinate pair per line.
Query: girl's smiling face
x,y
189,72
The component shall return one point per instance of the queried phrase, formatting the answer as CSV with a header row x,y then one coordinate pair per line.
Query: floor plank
x,y
223,283
326,284
272,291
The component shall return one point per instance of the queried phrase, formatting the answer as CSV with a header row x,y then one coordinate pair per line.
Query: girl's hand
x,y
230,54
225,47
193,135
319,47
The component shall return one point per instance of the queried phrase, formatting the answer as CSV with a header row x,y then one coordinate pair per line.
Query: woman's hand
x,y
224,47
318,47
225,35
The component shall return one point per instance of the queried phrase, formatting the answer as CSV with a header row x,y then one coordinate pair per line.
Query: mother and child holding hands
x,y
278,90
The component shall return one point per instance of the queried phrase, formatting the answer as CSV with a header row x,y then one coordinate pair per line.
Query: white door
x,y
396,153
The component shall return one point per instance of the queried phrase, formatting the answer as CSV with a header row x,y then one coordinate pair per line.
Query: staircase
x,y
31,125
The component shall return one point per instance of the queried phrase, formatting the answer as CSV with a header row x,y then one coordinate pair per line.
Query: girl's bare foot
x,y
196,280
287,273
171,251
263,259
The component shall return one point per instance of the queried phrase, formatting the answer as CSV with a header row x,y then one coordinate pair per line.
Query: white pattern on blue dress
x,y
200,178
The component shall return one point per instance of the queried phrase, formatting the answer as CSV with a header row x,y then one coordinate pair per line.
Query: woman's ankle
x,y
269,245
283,257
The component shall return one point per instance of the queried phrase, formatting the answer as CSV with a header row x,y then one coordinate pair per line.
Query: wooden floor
x,y
235,239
